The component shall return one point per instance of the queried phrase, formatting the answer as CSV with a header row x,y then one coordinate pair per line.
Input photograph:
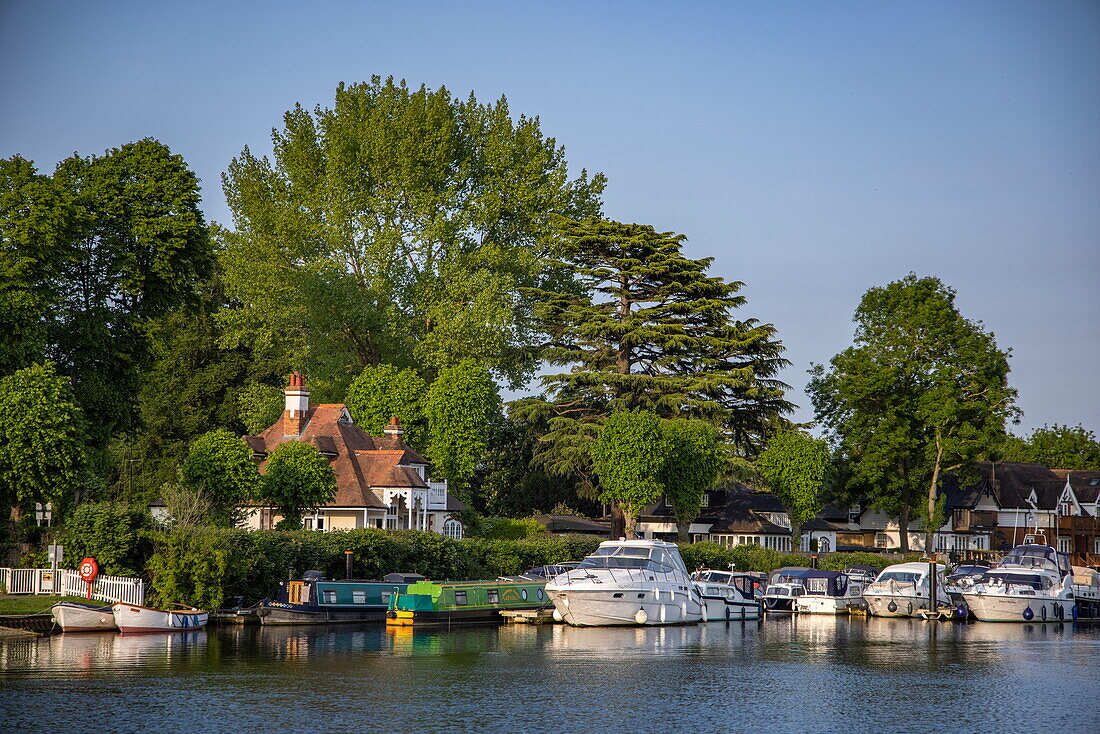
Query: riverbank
x,y
29,604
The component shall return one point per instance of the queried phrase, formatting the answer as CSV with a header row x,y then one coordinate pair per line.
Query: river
x,y
805,674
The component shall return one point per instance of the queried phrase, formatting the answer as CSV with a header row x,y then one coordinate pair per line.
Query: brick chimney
x,y
297,405
394,429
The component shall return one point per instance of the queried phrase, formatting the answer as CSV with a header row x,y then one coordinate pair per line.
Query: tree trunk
x,y
930,532
618,522
796,537
682,531
903,526
630,522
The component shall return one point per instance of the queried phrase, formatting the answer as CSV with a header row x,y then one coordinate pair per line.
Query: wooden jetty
x,y
528,616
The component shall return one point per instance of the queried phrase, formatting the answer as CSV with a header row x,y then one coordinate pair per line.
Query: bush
x,y
506,528
841,561
706,554
113,533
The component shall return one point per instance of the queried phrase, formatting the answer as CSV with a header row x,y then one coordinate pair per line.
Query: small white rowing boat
x,y
76,617
133,618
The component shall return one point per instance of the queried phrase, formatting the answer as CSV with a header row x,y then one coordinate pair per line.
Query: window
x,y
308,523
386,597
494,596
329,596
1066,509
320,523
452,529
1096,546
1063,545
706,500
523,593
882,540
460,598
358,596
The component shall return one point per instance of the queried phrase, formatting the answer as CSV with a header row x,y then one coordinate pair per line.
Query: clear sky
x,y
813,149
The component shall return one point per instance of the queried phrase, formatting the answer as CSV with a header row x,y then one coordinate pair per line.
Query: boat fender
x,y
1043,611
1073,612
1058,611
641,617
910,607
1028,614
961,611
557,616
728,615
892,607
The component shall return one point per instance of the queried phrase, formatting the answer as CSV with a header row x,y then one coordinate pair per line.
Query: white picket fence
x,y
46,581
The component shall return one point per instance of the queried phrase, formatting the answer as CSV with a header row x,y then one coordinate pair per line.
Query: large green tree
x,y
1056,447
644,326
382,392
297,478
43,439
693,464
399,226
629,456
794,467
459,406
137,246
921,392
220,468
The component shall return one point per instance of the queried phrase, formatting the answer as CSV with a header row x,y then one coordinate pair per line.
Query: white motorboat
x,y
727,595
134,618
1086,593
784,587
1033,583
828,592
960,579
76,617
627,582
902,590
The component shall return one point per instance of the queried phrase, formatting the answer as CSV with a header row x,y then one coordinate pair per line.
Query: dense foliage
x,y
921,392
219,467
629,456
692,466
1056,447
794,467
297,478
381,392
115,534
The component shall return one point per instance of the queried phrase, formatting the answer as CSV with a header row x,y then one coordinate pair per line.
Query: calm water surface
x,y
807,674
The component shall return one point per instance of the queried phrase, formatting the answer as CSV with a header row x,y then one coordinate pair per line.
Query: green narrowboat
x,y
464,602
316,600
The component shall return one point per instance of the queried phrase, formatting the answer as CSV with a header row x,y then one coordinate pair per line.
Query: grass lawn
x,y
31,604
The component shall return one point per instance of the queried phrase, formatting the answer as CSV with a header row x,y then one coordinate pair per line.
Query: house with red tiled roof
x,y
381,482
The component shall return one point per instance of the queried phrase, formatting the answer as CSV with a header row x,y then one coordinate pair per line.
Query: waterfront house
x,y
381,482
729,516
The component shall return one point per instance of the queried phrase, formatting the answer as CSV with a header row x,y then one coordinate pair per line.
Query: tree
x,y
459,405
383,391
643,326
1056,447
629,456
137,246
43,439
259,405
219,466
33,224
794,466
297,478
399,226
693,465
922,391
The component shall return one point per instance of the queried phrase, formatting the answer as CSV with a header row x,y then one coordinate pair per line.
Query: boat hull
x,y
826,604
582,607
721,609
884,605
83,617
132,618
1013,608
278,613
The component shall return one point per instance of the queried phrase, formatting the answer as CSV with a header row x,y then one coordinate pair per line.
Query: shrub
x,y
115,534
707,554
506,528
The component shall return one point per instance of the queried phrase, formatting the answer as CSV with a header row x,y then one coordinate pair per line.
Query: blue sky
x,y
813,149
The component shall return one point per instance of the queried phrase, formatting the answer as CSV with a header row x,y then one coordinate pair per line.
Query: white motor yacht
x,y
727,595
828,592
784,587
1033,583
902,590
627,582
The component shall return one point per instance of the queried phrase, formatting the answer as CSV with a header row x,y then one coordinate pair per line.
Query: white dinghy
x,y
77,617
134,618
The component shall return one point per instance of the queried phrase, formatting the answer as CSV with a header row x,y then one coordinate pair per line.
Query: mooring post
x,y
932,587
348,555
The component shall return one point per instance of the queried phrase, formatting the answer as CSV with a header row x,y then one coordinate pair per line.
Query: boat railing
x,y
620,575
892,587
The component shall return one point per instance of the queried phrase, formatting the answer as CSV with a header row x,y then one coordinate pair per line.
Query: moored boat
x,y
448,603
784,587
135,618
1032,583
727,595
828,592
77,617
316,600
627,582
1086,593
903,590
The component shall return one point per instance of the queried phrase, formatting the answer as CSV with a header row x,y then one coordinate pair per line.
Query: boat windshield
x,y
1036,557
1007,578
650,559
714,577
902,577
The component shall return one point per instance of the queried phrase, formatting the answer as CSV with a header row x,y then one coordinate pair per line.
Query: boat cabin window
x,y
329,596
460,598
902,577
358,596
386,597
744,586
494,596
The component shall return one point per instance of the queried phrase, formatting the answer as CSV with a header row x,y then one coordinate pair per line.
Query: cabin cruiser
x,y
785,585
828,592
902,590
1086,593
627,582
860,574
959,580
1033,583
727,595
